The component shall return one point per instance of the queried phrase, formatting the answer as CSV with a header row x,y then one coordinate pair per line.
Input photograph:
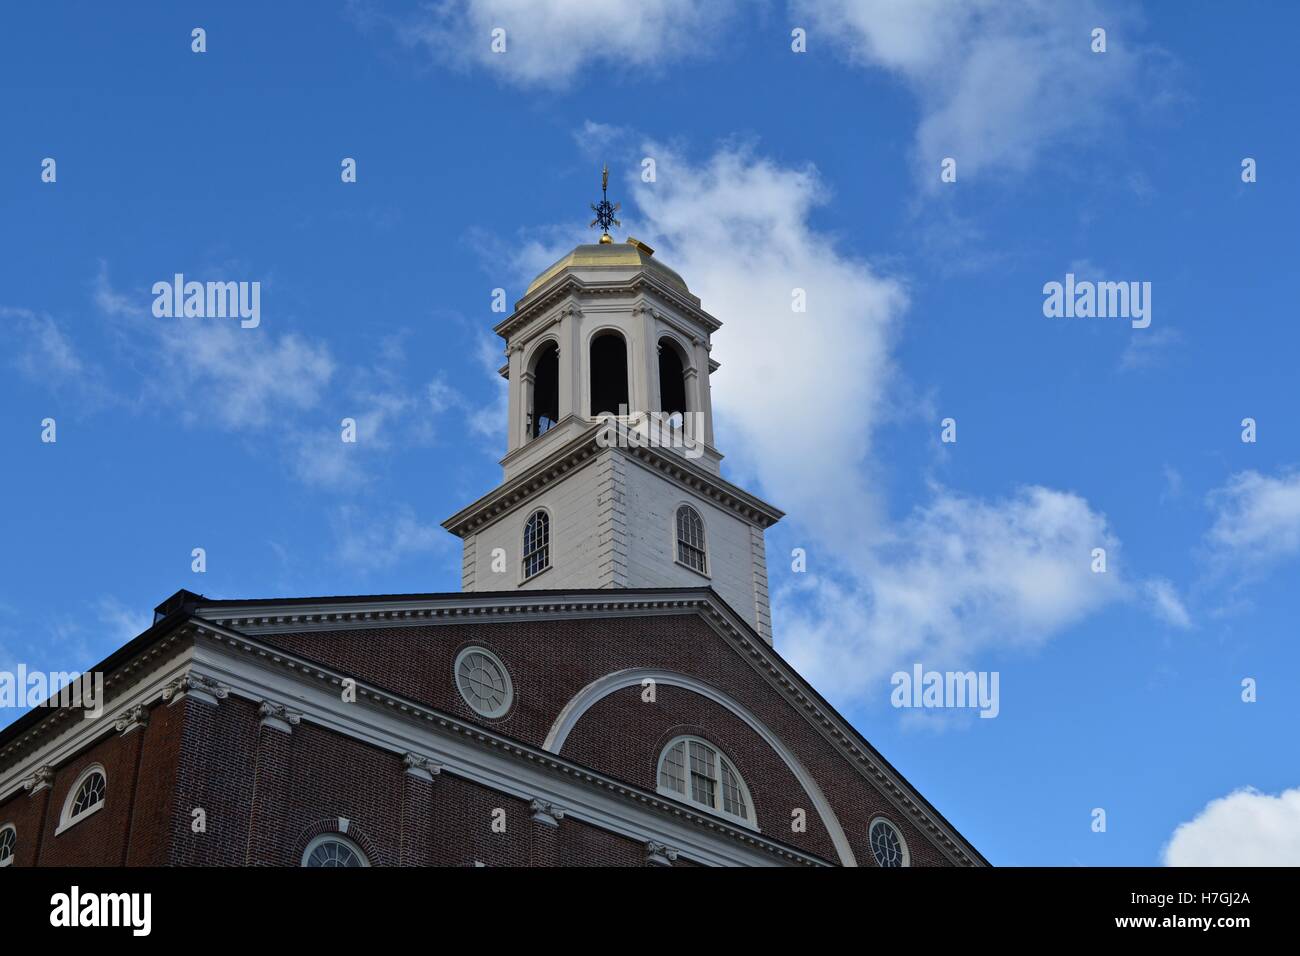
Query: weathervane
x,y
605,211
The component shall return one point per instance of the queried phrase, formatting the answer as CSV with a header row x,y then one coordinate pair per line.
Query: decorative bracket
x,y
659,854
134,719
418,765
41,779
198,686
278,716
546,813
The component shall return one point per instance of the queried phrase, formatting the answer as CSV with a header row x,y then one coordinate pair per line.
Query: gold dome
x,y
615,255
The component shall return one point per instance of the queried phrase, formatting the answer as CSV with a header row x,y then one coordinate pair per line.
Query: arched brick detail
x,y
331,825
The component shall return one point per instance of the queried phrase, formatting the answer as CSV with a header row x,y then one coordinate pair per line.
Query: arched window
x,y
537,544
887,844
331,849
608,374
544,402
8,843
86,796
672,379
695,771
691,549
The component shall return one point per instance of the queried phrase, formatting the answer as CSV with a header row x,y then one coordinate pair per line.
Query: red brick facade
x,y
266,789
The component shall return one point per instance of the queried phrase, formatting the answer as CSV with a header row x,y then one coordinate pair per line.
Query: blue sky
x,y
775,170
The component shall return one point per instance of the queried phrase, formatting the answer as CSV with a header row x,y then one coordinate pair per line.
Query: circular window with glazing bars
x,y
887,844
483,681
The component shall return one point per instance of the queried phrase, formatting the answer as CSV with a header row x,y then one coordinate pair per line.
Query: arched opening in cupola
x,y
608,374
672,378
544,401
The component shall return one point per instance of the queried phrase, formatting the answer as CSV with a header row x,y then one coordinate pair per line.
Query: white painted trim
x,y
584,375
602,687
82,734
550,549
675,541
52,741
66,819
719,755
475,753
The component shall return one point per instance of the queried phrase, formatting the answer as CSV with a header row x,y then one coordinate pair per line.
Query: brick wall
x,y
550,661
131,829
623,736
265,793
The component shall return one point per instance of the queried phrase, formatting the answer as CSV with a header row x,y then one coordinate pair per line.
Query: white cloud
x,y
368,542
799,398
213,371
997,81
237,378
1165,603
798,414
1257,517
1148,347
960,576
549,41
122,623
45,351
1245,828
42,352
489,421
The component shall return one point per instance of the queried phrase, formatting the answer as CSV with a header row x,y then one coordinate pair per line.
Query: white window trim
x,y
524,578
66,819
8,861
333,837
505,673
676,542
688,798
898,832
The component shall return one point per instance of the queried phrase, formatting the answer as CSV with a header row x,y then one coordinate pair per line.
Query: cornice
x,y
526,309
302,669
584,447
708,606
868,762
252,619
61,719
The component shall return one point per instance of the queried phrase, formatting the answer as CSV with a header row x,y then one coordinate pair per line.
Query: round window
x,y
887,844
483,681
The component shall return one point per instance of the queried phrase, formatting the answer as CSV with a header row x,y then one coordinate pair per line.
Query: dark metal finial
x,y
605,211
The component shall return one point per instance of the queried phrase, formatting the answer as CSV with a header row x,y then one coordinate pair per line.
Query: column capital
x,y
199,686
418,765
134,719
659,854
278,716
42,778
546,813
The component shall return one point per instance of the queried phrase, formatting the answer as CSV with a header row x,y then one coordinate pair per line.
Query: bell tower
x,y
611,477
